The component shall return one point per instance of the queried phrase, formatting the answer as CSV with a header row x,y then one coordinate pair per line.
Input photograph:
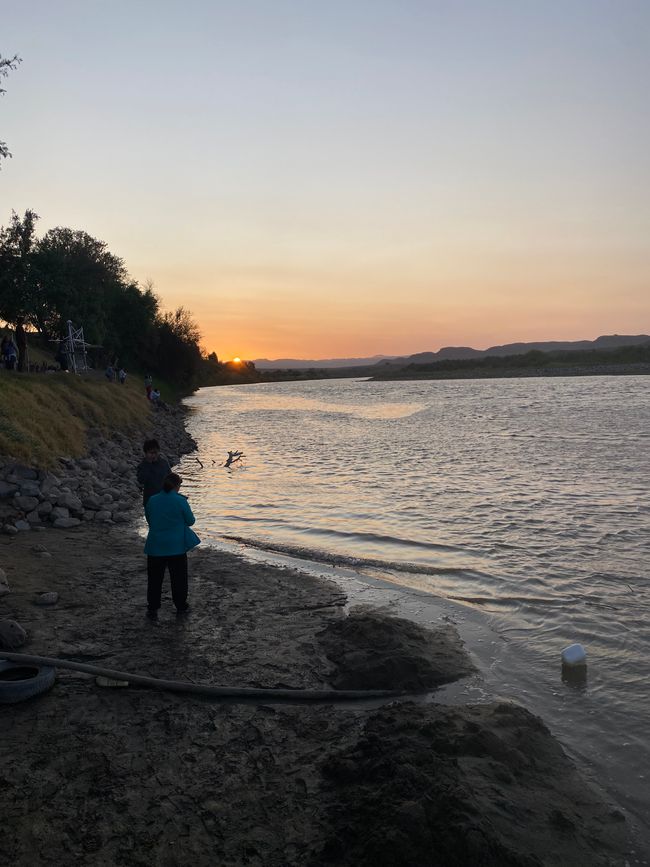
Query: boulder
x,y
33,517
59,512
87,464
92,501
23,472
66,523
104,515
7,489
44,508
4,584
70,502
49,483
26,504
22,525
30,489
9,530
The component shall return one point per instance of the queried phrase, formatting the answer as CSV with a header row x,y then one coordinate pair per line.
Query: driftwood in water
x,y
233,457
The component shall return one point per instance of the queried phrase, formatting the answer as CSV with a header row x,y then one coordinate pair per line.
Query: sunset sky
x,y
327,179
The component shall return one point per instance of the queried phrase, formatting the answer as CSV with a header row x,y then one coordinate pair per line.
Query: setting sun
x,y
237,360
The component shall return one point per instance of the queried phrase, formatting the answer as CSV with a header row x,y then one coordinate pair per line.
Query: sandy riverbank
x,y
135,777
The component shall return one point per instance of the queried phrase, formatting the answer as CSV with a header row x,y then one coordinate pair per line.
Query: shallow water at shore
x,y
523,500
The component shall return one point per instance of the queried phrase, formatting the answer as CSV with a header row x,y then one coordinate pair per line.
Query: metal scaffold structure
x,y
75,349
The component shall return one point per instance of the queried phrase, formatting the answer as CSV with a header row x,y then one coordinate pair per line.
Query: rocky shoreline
x,y
99,487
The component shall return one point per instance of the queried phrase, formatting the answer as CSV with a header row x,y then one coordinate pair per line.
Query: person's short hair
x,y
172,481
150,446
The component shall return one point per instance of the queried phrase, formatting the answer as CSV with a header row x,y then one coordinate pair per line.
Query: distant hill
x,y
321,364
610,341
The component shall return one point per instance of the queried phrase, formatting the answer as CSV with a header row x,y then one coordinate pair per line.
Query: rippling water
x,y
527,499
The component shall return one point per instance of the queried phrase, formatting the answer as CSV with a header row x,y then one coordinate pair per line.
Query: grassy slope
x,y
44,416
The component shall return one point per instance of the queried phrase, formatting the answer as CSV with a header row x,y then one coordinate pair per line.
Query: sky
x,y
345,179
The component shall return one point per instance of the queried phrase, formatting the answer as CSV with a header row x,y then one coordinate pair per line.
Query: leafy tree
x,y
17,275
7,64
179,355
75,278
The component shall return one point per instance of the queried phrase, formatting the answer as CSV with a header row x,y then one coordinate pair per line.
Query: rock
x,y
120,518
4,583
7,490
87,464
45,508
21,524
26,504
89,515
92,501
66,523
23,472
50,598
30,489
12,635
33,517
104,515
49,483
107,497
70,502
59,512
9,530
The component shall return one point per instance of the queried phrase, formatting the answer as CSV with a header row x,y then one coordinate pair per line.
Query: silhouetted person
x,y
21,343
153,470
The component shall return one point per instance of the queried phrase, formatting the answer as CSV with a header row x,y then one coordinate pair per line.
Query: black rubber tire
x,y
19,682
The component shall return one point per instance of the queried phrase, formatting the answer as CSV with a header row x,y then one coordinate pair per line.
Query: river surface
x,y
523,502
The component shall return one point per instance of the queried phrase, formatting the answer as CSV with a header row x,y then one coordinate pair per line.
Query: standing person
x,y
148,385
152,471
169,539
121,375
109,373
21,342
10,353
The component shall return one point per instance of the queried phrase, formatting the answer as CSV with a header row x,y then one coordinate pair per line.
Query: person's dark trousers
x,y
178,575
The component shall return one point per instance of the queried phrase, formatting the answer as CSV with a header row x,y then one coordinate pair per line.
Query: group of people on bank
x,y
170,536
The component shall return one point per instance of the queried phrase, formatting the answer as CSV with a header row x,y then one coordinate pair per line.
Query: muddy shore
x,y
98,776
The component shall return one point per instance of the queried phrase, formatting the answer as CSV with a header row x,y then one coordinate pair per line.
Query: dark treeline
x,y
569,360
67,274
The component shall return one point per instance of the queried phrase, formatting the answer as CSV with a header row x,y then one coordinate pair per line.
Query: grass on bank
x,y
44,416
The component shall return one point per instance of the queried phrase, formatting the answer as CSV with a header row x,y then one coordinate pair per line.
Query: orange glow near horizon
x,y
431,180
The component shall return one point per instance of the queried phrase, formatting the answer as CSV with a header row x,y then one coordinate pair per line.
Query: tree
x,y
17,274
7,65
75,277
179,355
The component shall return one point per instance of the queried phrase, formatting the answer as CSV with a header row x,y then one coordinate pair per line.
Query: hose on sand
x,y
269,696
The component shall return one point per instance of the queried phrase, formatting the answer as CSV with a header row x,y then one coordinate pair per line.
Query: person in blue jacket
x,y
169,539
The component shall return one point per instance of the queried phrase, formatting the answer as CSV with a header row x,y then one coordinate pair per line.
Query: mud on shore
x,y
141,777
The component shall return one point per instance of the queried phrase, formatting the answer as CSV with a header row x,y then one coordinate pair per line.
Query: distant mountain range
x,y
321,364
610,341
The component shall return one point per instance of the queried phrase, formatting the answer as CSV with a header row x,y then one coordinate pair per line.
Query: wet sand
x,y
129,776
